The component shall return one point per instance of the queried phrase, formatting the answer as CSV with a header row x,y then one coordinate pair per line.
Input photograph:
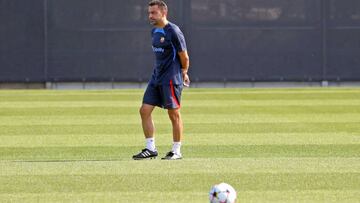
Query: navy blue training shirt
x,y
166,43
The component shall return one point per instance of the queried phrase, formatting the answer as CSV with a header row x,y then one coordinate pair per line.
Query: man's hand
x,y
184,59
186,79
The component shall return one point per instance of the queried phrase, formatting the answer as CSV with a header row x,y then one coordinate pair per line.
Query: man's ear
x,y
164,13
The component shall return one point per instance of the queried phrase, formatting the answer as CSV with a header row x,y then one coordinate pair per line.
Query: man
x,y
166,84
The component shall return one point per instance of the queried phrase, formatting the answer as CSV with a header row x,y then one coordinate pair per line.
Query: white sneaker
x,y
172,156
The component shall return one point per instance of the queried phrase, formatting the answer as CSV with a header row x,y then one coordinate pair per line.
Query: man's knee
x,y
174,115
145,111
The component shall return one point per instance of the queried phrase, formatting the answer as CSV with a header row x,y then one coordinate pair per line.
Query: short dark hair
x,y
161,4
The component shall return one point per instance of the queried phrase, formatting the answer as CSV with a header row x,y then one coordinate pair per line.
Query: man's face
x,y
155,14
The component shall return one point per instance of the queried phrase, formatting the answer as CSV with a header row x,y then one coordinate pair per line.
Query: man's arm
x,y
185,62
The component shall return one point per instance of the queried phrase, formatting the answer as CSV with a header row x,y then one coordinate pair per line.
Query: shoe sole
x,y
171,159
154,157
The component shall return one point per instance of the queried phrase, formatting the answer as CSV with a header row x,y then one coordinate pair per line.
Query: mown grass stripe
x,y
107,196
185,103
125,129
204,110
193,165
190,119
81,140
188,95
311,196
200,181
197,151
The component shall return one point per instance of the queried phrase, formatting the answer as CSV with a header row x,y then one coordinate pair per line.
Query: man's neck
x,y
162,24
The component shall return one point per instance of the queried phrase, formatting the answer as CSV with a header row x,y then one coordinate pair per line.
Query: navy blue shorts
x,y
164,96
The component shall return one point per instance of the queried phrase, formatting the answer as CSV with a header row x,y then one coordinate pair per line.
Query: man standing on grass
x,y
166,84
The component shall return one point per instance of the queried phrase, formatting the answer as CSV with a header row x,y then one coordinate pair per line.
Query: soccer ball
x,y
222,193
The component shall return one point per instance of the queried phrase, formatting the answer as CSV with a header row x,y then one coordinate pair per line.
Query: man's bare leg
x,y
146,120
177,125
148,125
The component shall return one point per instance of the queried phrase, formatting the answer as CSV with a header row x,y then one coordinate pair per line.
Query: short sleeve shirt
x,y
166,43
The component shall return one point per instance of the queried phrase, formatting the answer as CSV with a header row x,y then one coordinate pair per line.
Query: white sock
x,y
150,144
176,147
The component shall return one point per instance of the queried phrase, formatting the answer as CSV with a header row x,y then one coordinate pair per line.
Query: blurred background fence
x,y
228,40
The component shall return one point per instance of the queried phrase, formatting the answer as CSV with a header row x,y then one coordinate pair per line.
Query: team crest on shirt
x,y
162,39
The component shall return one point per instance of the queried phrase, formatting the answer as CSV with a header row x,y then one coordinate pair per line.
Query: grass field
x,y
271,145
